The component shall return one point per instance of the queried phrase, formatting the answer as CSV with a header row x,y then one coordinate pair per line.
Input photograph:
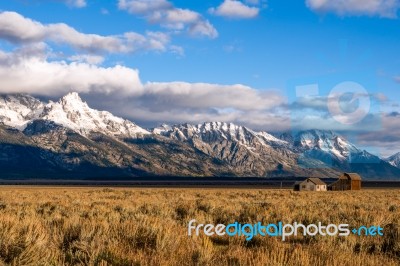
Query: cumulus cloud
x,y
28,70
381,8
235,9
202,95
20,30
164,13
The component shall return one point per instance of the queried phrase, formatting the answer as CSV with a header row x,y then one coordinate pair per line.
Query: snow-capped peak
x,y
18,109
71,112
217,131
326,141
73,99
270,138
206,131
162,129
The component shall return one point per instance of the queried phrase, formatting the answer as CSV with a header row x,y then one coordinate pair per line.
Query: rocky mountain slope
x,y
250,153
337,152
394,160
68,139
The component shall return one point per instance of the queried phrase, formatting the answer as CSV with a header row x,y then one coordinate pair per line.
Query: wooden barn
x,y
347,181
310,184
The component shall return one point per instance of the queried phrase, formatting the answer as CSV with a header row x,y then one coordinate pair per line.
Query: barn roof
x,y
316,181
351,176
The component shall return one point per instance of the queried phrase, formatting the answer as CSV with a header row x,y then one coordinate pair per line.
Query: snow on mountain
x,y
326,141
70,111
225,148
18,110
394,160
161,130
217,131
272,140
249,152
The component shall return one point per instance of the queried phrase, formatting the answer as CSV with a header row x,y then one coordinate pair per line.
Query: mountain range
x,y
68,139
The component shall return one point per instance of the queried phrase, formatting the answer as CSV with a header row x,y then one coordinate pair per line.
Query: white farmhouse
x,y
310,184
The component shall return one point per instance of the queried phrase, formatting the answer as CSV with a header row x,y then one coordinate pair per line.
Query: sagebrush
x,y
138,226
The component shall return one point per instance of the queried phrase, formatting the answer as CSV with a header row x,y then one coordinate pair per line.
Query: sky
x,y
275,65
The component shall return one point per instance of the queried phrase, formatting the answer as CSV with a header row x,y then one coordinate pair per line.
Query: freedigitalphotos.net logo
x,y
281,230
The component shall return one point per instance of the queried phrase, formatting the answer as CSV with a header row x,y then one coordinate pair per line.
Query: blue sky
x,y
286,40
193,61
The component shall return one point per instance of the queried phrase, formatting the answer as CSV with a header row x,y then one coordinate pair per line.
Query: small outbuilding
x,y
347,181
310,184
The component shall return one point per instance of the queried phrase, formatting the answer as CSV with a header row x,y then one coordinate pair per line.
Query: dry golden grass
x,y
102,226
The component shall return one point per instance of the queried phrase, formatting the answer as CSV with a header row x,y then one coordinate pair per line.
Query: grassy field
x,y
122,226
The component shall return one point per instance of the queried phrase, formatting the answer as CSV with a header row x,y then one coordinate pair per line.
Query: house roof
x,y
316,181
351,176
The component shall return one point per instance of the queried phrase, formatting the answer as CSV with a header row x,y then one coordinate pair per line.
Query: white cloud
x,y
203,95
203,28
235,9
18,29
381,8
76,3
29,71
164,13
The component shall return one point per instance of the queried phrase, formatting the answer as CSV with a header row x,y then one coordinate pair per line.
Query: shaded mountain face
x,y
68,139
